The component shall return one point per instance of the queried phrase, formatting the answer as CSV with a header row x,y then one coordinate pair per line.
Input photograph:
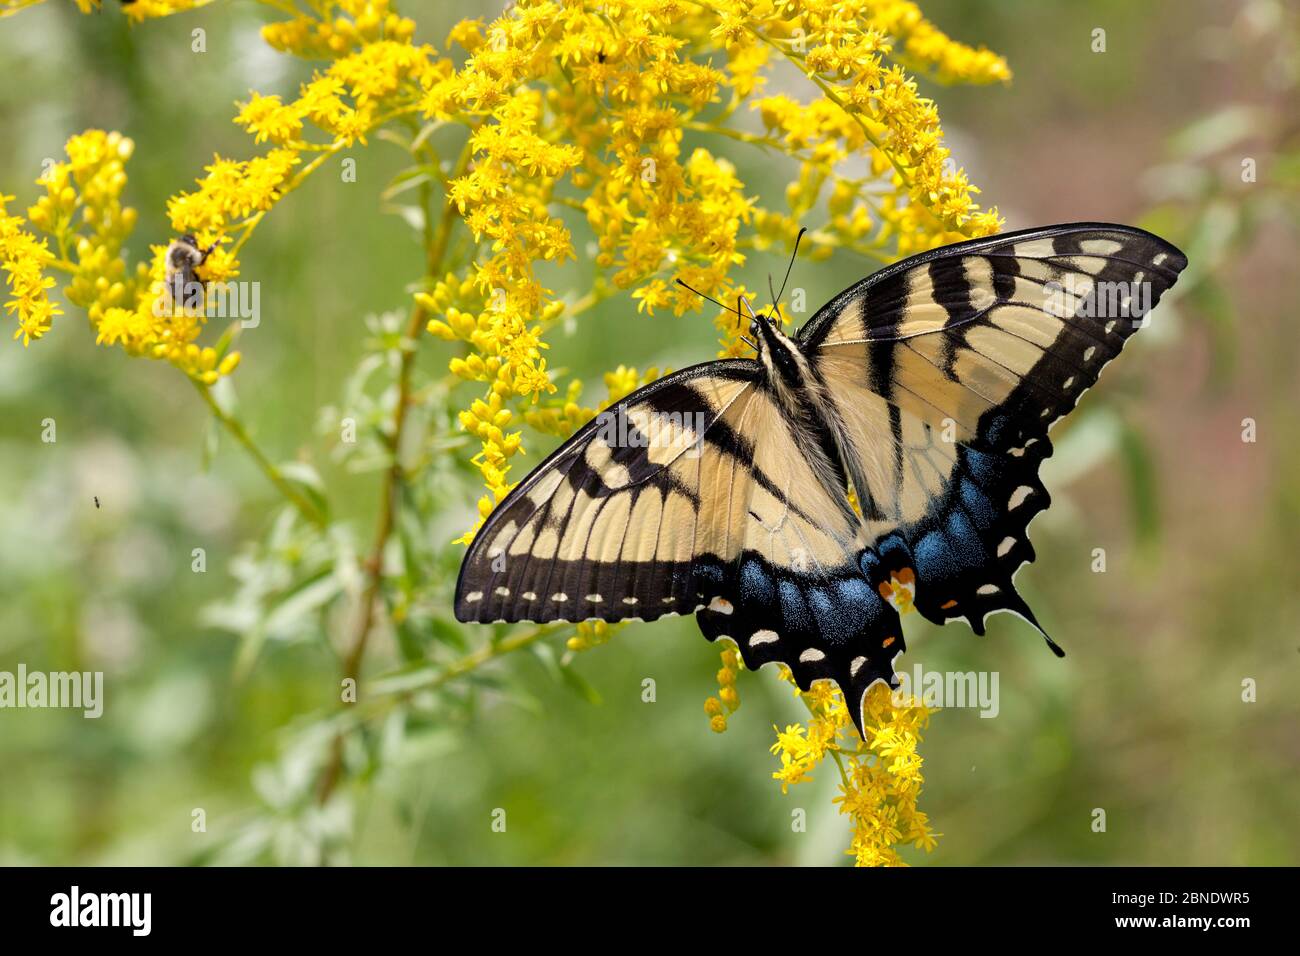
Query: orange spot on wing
x,y
949,604
886,642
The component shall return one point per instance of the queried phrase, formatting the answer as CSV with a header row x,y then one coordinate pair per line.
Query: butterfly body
x,y
924,391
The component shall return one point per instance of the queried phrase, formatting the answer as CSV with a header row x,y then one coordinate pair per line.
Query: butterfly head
x,y
779,353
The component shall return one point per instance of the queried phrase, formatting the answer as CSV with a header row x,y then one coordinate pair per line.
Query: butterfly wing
x,y
691,494
947,370
606,526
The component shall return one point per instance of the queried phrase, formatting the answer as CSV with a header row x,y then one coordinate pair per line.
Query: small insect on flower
x,y
183,257
96,501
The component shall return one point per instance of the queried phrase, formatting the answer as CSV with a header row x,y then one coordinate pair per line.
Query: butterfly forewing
x,y
606,527
948,370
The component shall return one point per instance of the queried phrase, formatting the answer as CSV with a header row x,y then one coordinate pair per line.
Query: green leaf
x,y
391,135
1143,484
308,480
1215,304
427,130
227,339
448,632
1217,131
581,686
298,603
414,215
407,179
565,674
211,442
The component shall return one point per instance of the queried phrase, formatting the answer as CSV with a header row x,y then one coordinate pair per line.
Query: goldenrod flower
x,y
880,778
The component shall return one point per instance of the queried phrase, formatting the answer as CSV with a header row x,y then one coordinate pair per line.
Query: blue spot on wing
x,y
983,467
835,625
978,505
964,538
856,594
755,584
793,610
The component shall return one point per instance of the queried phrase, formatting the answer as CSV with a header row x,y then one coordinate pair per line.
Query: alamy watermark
x,y
1089,299
215,300
949,689
77,690
133,911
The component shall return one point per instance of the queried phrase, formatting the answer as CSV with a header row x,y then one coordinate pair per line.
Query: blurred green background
x,y
1144,718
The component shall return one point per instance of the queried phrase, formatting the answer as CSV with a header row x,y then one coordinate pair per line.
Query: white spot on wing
x,y
559,598
721,605
856,666
812,655
1018,497
616,476
762,637
1101,247
1007,544
473,597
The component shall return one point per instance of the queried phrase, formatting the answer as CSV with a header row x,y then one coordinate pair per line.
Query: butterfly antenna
x,y
776,299
725,308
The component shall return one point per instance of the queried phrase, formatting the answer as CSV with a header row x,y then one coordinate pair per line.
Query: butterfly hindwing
x,y
948,369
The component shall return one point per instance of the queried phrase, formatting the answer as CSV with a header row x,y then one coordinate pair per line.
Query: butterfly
x,y
922,393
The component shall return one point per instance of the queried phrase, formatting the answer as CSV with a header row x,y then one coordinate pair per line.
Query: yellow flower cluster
x,y
340,27
880,779
728,699
578,107
927,49
83,215
376,74
916,197
139,10
586,107
591,634
24,258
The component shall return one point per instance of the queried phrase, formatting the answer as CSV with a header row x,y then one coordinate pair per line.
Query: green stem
x,y
273,474
436,244
470,662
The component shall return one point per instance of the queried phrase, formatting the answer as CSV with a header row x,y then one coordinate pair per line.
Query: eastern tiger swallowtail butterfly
x,y
926,389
